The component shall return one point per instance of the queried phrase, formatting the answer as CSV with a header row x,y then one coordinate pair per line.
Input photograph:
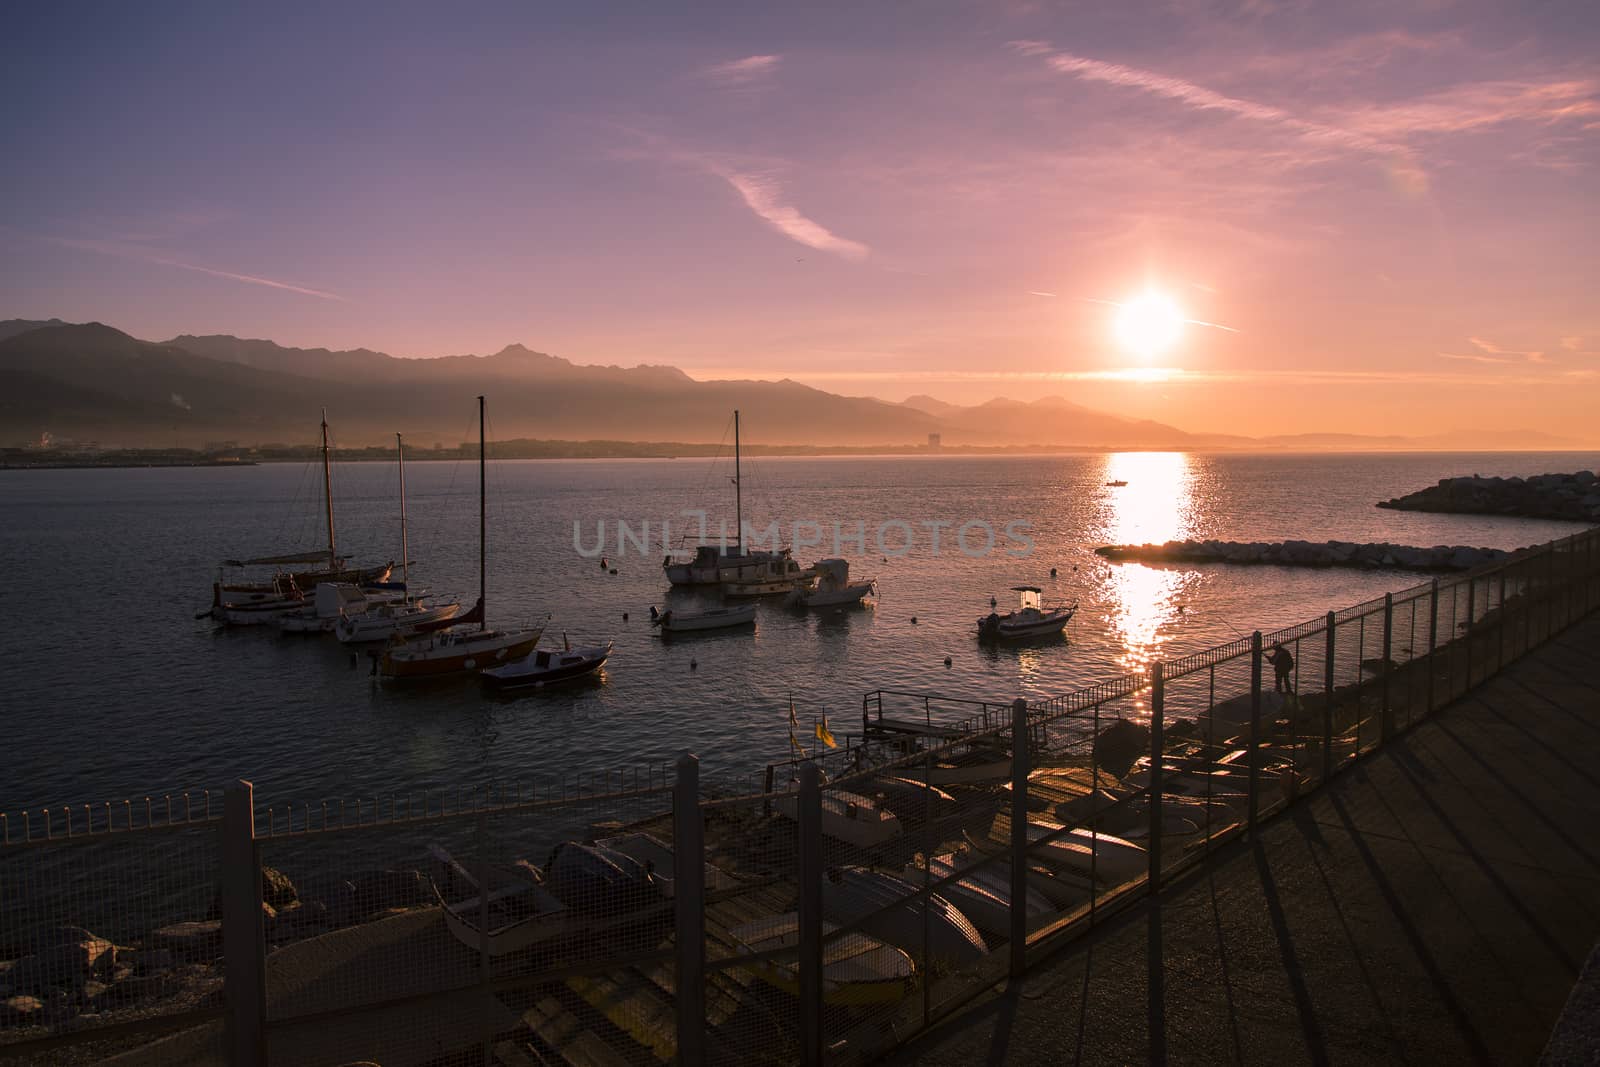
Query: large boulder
x,y
200,940
276,889
21,1010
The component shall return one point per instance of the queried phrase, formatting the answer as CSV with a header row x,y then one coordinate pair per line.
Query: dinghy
x,y
850,894
983,895
848,817
521,913
656,857
857,970
1111,860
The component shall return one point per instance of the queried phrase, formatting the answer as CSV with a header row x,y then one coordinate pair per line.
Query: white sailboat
x,y
454,647
244,602
715,564
381,621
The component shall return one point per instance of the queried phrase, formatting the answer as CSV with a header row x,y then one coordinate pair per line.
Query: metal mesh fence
x,y
821,910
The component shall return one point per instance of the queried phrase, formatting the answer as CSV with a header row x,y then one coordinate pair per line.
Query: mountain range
x,y
90,382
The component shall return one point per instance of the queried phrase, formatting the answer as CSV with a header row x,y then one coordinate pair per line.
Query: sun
x,y
1149,324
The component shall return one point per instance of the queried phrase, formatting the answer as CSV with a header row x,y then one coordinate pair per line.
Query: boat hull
x,y
561,667
384,624
672,622
440,655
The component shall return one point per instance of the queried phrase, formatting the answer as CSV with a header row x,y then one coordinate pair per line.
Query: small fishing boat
x,y
848,817
780,576
547,666
833,589
857,970
1030,620
850,894
673,621
518,914
447,646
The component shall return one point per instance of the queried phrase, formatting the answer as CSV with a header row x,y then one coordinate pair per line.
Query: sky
x,y
1368,217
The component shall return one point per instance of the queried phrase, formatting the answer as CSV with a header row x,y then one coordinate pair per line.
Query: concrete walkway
x,y
1433,905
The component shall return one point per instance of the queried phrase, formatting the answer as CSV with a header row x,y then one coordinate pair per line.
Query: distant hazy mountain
x,y
94,383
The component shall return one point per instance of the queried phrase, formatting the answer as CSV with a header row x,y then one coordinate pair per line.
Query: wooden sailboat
x,y
244,603
381,621
452,646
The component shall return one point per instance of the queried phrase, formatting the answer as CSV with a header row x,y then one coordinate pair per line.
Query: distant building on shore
x,y
935,441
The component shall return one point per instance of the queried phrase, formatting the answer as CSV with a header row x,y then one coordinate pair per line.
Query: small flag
x,y
797,746
823,733
793,722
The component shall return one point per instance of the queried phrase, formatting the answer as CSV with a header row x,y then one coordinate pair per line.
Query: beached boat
x,y
547,666
655,855
1111,860
518,914
983,895
448,647
1030,620
852,894
244,601
673,621
718,563
833,589
596,880
857,970
848,817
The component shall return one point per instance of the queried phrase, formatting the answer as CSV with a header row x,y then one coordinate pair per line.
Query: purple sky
x,y
1392,207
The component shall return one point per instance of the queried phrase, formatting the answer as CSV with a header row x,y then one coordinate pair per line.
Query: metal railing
x,y
851,900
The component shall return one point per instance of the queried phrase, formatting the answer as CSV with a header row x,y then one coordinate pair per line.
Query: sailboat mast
x,y
327,490
738,490
483,529
405,551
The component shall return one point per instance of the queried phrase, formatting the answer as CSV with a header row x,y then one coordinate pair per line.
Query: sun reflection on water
x,y
1155,505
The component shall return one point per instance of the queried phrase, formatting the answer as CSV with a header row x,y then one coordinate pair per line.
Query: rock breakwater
x,y
1308,554
1544,496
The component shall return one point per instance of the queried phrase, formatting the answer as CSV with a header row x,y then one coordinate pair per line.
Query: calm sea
x,y
112,688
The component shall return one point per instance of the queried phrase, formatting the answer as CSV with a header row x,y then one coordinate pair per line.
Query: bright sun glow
x,y
1149,324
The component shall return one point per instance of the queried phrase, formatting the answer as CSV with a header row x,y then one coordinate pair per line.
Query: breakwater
x,y
1308,554
1544,496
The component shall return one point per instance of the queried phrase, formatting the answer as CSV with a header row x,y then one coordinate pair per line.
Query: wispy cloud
x,y
764,196
742,73
140,255
1507,355
1039,292
1474,359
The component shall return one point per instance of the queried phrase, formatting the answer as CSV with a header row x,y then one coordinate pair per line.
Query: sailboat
x,y
715,564
381,621
452,646
244,603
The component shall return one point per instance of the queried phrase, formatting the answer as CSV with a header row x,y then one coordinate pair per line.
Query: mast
x,y
327,491
738,490
483,530
405,552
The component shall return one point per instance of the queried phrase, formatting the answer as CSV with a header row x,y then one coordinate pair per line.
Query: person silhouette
x,y
1282,669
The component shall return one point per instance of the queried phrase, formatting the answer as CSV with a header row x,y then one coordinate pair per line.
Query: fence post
x,y
1255,727
1019,837
1328,683
809,931
1433,637
1158,706
1472,624
1527,616
243,929
689,913
1387,716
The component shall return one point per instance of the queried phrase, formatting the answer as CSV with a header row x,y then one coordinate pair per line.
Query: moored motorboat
x,y
833,589
1030,620
856,969
673,621
780,576
545,666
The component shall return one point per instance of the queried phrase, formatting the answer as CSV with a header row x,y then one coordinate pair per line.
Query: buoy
x,y
613,570
1052,572
993,602
913,620
1074,566
947,661
604,563
624,616
693,664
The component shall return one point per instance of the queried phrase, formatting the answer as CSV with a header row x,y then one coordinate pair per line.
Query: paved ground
x,y
1433,905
